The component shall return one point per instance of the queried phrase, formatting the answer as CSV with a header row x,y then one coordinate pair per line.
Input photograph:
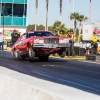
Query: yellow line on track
x,y
71,58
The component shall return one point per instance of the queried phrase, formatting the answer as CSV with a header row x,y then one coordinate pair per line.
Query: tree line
x,y
60,27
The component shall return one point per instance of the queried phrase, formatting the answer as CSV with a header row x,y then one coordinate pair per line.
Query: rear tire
x,y
17,55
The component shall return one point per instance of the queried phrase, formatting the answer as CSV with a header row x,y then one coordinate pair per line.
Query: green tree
x,y
30,27
57,26
74,16
50,28
41,27
81,18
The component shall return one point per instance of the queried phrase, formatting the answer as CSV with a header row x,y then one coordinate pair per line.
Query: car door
x,y
17,44
22,43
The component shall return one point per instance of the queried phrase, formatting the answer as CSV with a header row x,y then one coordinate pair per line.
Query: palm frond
x,y
82,18
74,16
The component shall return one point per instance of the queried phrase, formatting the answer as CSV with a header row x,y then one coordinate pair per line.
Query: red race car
x,y
39,44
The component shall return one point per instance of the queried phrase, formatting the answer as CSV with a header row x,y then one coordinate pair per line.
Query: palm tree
x,y
36,14
81,18
57,26
61,11
46,26
70,1
74,16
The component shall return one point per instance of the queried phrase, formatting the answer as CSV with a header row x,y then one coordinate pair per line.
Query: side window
x,y
23,37
27,35
18,39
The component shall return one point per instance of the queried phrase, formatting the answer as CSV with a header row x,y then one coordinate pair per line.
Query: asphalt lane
x,y
78,74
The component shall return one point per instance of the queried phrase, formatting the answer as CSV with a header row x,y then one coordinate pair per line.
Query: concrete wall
x,y
17,86
11,89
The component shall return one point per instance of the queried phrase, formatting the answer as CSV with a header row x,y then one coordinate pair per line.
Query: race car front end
x,y
51,45
51,42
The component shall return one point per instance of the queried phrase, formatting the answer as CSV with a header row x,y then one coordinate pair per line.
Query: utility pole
x,y
3,24
90,12
3,19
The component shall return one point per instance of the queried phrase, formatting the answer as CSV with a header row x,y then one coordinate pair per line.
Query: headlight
x,y
36,40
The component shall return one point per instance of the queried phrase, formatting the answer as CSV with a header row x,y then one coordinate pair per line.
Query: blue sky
x,y
80,6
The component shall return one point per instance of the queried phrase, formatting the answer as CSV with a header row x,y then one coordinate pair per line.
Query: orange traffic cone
x,y
87,52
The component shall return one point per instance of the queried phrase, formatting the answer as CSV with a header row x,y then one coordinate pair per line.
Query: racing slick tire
x,y
43,58
18,56
31,53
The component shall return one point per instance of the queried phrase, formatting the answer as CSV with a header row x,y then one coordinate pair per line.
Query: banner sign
x,y
9,32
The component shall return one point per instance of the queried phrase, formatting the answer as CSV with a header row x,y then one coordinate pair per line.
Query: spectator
x,y
56,33
69,34
94,39
14,37
2,38
72,40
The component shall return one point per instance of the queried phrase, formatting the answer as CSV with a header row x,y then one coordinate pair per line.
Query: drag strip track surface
x,y
81,75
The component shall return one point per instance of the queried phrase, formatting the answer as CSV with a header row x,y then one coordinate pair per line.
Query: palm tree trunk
x,y
69,14
75,27
46,26
79,33
36,15
90,11
61,11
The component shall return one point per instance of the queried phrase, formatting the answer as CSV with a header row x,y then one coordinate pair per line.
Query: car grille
x,y
51,40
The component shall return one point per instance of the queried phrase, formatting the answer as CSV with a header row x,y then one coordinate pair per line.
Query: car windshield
x,y
40,34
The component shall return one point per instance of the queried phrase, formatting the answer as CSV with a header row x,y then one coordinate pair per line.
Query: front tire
x,y
62,52
31,53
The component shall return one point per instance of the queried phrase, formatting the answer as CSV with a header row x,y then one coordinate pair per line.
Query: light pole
x,y
3,22
3,19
